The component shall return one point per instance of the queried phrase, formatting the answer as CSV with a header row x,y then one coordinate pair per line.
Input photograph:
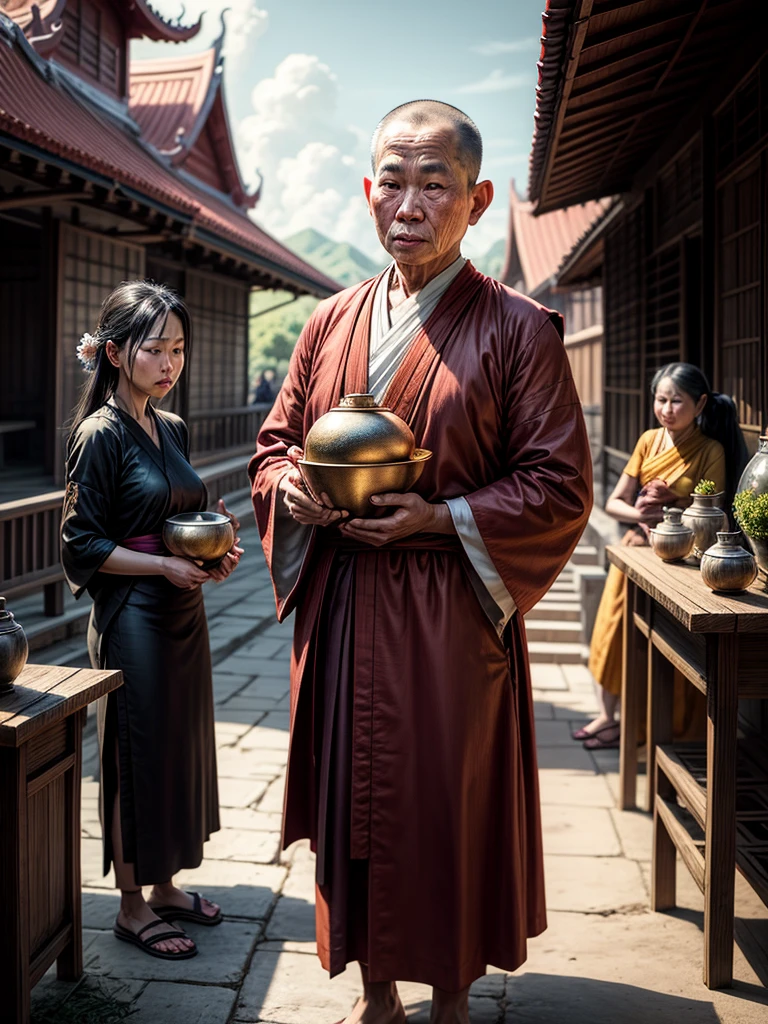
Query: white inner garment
x,y
392,333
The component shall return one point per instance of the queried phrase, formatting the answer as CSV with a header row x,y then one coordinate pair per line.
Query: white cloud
x,y
245,20
496,81
509,46
313,165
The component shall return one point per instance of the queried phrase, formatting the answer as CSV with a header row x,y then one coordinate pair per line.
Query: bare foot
x,y
449,1007
365,1012
167,895
137,914
598,723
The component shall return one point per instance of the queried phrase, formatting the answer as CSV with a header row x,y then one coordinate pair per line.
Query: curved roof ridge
x,y
41,20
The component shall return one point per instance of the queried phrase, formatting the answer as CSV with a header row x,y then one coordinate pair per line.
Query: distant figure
x,y
264,391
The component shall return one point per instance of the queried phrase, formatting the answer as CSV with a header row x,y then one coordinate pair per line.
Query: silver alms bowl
x,y
202,536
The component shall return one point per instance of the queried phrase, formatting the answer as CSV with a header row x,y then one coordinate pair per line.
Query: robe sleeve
x,y
636,460
93,467
286,543
531,519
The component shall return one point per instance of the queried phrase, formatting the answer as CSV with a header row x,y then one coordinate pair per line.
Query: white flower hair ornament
x,y
87,350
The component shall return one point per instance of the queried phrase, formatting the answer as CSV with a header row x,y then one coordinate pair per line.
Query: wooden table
x,y
41,727
720,645
12,427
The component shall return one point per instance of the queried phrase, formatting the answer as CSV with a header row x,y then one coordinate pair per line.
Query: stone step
x,y
559,654
563,587
585,554
564,611
553,630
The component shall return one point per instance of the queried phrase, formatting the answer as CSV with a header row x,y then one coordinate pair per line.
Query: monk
x,y
412,765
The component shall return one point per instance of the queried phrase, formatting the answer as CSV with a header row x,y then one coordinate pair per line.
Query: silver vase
x,y
706,518
755,479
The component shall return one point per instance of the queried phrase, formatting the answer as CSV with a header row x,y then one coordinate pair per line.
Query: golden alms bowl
x,y
351,487
202,536
359,432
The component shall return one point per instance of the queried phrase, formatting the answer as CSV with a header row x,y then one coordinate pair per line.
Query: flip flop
x,y
582,734
596,742
171,913
147,945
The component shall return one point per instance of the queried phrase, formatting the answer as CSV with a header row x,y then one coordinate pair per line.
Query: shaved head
x,y
422,113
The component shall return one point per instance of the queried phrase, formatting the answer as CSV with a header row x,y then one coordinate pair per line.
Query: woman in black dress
x,y
128,470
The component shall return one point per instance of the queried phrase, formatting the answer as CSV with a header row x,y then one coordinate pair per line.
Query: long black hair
x,y
718,419
127,316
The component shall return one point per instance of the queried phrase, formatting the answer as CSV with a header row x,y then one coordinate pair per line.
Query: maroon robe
x,y
412,765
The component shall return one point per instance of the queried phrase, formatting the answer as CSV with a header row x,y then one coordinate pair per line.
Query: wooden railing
x,y
29,533
226,430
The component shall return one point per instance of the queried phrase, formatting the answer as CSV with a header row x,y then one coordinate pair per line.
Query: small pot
x,y
707,519
727,567
671,540
14,649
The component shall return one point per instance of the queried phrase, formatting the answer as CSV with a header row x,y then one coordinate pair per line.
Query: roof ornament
x,y
38,32
179,143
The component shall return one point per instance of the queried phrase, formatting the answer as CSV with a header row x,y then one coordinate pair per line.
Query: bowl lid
x,y
198,519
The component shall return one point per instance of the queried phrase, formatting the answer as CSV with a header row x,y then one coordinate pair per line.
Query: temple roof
x,y
536,246
41,21
50,122
174,99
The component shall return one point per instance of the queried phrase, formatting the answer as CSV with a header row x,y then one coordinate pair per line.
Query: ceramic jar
x,y
359,432
13,649
672,540
728,567
755,478
706,519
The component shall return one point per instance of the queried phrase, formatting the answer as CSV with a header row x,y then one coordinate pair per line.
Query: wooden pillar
x,y
14,886
634,657
720,849
69,964
51,338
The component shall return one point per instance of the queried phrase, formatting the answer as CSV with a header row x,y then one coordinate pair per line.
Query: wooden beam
x,y
44,198
579,29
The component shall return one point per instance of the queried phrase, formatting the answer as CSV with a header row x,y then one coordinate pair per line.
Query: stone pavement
x,y
604,959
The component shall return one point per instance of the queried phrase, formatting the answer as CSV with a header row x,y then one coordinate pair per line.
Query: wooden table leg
x,y
664,863
634,654
720,848
69,964
14,886
660,716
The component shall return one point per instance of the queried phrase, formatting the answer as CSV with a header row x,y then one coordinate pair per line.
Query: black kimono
x,y
121,486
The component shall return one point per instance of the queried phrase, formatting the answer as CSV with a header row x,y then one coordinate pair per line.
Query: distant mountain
x,y
340,260
492,263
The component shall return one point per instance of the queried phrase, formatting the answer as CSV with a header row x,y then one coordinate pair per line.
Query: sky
x,y
307,82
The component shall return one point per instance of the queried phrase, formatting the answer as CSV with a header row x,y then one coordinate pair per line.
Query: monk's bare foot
x,y
449,1007
167,895
386,1009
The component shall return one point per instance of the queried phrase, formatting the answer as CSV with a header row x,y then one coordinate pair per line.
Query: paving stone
x,y
292,920
624,969
579,830
49,994
228,733
91,865
262,738
237,717
417,1000
581,790
542,710
273,798
242,890
223,954
578,675
292,988
261,647
236,763
279,720
244,845
570,758
224,686
182,1004
592,884
100,908
574,715
635,829
553,734
246,818
548,677
241,792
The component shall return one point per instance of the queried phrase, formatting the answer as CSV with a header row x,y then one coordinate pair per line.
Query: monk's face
x,y
421,198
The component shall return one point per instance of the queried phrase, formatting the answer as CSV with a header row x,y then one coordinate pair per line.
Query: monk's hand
x,y
223,510
300,503
228,564
413,515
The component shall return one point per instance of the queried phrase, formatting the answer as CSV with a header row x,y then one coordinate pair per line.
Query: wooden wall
x,y
218,376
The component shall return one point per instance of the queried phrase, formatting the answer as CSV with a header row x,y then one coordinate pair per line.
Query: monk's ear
x,y
482,197
367,186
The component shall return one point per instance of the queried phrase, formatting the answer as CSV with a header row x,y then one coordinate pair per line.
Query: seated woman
x,y
698,439
128,470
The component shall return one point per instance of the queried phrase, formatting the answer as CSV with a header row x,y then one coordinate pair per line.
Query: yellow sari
x,y
698,457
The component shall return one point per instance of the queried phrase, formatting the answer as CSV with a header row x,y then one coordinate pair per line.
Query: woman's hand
x,y
302,507
413,515
182,573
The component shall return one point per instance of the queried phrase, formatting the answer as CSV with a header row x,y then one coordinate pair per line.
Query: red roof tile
x,y
536,246
39,113
167,96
